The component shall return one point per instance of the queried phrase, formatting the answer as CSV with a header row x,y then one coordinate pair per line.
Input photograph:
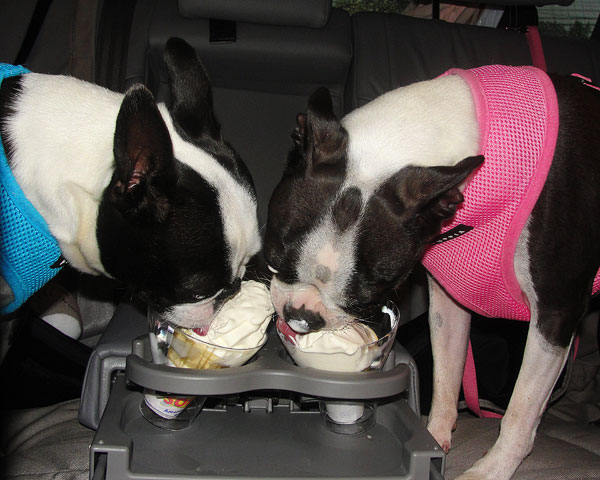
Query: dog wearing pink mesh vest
x,y
489,177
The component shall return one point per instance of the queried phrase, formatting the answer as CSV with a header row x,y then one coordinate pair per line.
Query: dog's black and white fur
x,y
360,199
148,194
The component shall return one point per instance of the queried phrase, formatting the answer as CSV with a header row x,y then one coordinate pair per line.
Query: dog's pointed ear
x,y
320,134
191,94
144,165
299,133
435,190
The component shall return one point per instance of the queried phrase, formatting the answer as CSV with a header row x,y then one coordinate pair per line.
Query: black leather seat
x,y
261,78
394,50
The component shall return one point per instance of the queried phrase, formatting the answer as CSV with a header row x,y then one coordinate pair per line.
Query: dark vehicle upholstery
x,y
264,63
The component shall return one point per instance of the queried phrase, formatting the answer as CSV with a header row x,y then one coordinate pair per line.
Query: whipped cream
x,y
343,350
243,320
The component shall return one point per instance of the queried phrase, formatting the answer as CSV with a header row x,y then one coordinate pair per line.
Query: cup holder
x,y
347,418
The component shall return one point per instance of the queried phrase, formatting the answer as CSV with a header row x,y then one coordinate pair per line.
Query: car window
x,y
384,6
576,20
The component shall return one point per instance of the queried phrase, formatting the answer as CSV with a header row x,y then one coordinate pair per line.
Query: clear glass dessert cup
x,y
178,347
342,416
369,356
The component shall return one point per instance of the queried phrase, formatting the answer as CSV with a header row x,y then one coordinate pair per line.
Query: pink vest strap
x,y
586,81
535,48
470,388
490,288
517,113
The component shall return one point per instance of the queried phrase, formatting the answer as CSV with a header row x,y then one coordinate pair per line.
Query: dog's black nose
x,y
302,320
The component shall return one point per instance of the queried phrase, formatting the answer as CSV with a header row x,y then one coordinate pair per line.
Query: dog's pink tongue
x,y
202,331
285,329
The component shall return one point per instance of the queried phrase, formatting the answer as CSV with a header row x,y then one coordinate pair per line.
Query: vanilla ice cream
x,y
353,348
234,336
236,333
343,350
243,320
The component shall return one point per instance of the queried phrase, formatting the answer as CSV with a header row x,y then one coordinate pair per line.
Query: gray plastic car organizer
x,y
262,420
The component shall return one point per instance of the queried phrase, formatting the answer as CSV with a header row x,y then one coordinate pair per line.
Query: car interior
x,y
72,389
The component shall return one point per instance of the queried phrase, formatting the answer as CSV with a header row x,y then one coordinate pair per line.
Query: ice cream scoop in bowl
x,y
235,335
188,349
363,344
358,346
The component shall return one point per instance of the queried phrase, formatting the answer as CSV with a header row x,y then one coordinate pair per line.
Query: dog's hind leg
x,y
449,325
543,360
542,364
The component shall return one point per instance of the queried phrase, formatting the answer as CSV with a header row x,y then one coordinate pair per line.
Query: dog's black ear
x,y
191,93
434,190
144,166
299,133
320,134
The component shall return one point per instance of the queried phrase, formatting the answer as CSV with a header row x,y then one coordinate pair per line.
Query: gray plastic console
x,y
109,356
263,419
272,369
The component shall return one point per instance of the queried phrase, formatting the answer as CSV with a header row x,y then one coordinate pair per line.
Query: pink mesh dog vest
x,y
517,112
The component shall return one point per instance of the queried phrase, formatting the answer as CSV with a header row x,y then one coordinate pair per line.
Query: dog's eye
x,y
206,298
272,269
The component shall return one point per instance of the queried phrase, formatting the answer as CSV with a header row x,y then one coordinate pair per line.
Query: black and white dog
x,y
148,194
362,199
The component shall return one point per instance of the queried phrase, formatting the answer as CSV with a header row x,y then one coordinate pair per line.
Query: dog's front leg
x,y
542,364
449,325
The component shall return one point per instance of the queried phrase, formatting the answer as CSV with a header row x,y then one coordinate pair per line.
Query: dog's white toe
x,y
442,435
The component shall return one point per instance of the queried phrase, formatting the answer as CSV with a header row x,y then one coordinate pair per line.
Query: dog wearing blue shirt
x,y
121,186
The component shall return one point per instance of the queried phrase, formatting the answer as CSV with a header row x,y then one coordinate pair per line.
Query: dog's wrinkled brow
x,y
347,209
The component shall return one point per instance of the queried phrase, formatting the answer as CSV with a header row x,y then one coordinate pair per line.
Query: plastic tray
x,y
262,424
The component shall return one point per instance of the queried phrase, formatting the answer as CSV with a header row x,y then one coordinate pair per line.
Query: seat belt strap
x,y
535,48
470,389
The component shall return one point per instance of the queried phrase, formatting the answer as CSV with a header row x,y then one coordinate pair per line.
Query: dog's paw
x,y
476,474
470,476
442,422
493,466
442,433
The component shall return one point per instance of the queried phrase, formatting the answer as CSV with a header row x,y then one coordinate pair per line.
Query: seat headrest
x,y
299,13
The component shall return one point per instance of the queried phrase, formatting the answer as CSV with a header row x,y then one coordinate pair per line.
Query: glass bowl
x,y
187,350
346,417
181,347
333,351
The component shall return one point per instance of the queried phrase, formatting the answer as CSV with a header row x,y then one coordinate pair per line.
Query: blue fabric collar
x,y
28,251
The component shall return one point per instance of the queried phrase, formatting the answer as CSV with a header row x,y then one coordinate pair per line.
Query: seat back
x,y
262,73
395,50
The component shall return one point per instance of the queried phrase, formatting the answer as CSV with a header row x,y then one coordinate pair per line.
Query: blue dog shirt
x,y
28,252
